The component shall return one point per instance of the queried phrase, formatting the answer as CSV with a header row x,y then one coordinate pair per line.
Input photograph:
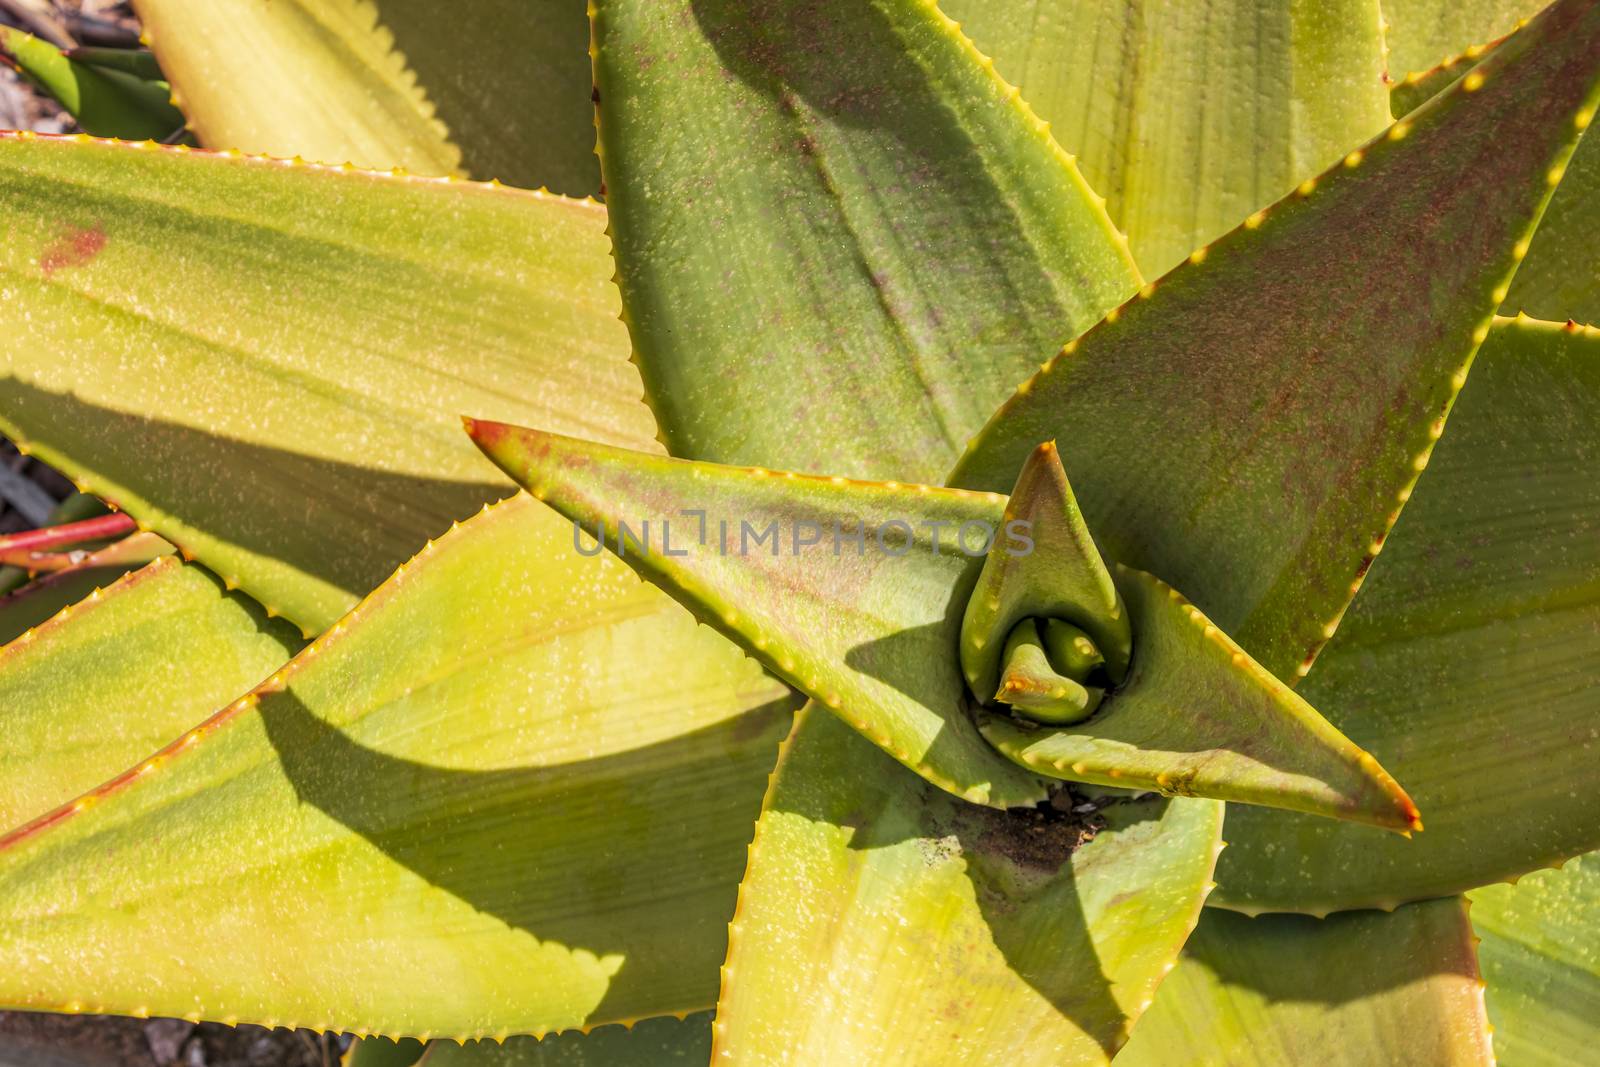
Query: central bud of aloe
x,y
1046,633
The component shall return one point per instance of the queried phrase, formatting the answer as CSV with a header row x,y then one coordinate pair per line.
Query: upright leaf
x,y
1347,991
493,88
1541,957
938,932
1189,115
499,797
1250,431
265,362
841,238
1470,664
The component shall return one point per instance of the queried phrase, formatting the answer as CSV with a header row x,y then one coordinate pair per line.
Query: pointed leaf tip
x,y
872,632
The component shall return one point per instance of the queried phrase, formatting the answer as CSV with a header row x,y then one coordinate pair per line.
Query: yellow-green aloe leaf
x,y
498,797
110,103
1541,957
1470,663
933,931
43,597
841,238
1250,426
871,630
493,88
1348,991
1418,87
116,676
264,362
660,1042
1188,116
1421,34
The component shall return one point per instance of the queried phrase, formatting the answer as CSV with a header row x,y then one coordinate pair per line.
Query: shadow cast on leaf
x,y
563,852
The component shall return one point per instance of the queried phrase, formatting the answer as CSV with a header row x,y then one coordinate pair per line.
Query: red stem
x,y
71,533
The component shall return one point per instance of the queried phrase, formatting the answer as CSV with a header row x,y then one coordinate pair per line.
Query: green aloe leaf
x,y
107,102
1560,277
658,1042
382,1052
1198,717
871,629
42,598
499,797
1470,663
939,932
1348,991
494,88
1190,115
315,335
1249,429
1541,957
1421,34
841,238
88,693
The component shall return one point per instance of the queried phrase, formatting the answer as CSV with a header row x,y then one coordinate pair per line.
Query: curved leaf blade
x,y
939,932
495,88
1250,429
264,362
841,240
536,780
1347,991
1540,957
1289,88
1470,664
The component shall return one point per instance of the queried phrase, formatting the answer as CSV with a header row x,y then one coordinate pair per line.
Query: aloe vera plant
x,y
1041,489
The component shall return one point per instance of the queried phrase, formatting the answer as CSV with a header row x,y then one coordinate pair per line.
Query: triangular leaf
x,y
1198,717
536,780
495,88
937,932
874,634
264,362
1188,115
1348,991
1253,427
1470,664
872,631
1061,577
841,238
